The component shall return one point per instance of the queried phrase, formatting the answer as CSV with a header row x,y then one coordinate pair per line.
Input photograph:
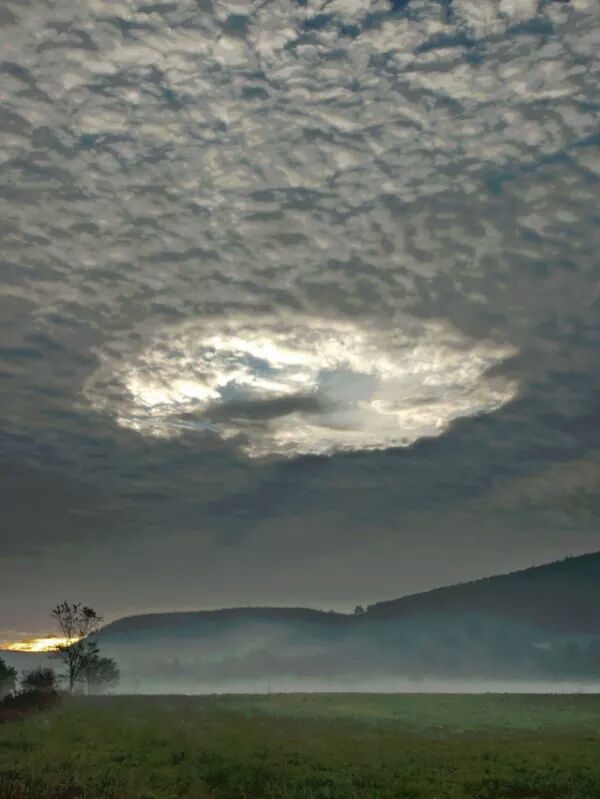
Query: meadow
x,y
306,746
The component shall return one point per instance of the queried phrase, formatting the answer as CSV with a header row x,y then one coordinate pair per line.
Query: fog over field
x,y
380,686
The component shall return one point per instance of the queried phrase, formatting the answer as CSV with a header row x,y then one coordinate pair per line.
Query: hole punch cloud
x,y
303,385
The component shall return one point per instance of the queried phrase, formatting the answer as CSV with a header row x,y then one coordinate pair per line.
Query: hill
x,y
190,623
541,622
562,597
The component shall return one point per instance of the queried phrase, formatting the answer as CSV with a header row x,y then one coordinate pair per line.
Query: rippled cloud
x,y
318,266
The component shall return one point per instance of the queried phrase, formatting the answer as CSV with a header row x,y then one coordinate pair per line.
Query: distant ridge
x,y
562,597
186,620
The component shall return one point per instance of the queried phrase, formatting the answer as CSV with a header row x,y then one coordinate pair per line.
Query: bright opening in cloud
x,y
300,386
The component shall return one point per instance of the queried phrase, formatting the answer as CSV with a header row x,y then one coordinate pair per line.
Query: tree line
x,y
79,655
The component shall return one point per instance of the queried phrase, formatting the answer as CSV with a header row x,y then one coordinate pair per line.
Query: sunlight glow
x,y
296,386
48,644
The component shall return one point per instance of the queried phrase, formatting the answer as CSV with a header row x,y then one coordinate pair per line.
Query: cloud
x,y
398,197
303,385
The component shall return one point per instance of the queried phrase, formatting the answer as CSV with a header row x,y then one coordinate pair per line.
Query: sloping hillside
x,y
539,623
562,597
190,623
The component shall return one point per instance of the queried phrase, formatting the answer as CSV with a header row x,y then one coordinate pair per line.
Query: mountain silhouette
x,y
560,597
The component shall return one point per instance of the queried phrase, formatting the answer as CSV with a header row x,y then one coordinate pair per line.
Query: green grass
x,y
307,746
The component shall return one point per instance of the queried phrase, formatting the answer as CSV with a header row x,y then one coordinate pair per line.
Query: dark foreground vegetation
x,y
328,746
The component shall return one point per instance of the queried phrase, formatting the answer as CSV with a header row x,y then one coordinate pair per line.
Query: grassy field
x,y
307,746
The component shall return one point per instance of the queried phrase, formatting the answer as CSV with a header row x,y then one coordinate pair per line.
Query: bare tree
x,y
78,624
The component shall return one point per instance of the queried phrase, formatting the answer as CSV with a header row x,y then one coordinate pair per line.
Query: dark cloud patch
x,y
42,506
266,409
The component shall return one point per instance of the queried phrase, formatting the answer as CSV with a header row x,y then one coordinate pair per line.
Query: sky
x,y
299,299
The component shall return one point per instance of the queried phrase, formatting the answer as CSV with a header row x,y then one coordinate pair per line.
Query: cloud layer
x,y
363,230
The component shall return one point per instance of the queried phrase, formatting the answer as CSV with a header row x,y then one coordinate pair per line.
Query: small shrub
x,y
40,680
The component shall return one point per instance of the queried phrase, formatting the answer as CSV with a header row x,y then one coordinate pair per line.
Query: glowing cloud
x,y
299,386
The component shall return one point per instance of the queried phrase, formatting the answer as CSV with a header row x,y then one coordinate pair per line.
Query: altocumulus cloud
x,y
237,235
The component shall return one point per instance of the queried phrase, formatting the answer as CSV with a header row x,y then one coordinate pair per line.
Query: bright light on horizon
x,y
48,644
